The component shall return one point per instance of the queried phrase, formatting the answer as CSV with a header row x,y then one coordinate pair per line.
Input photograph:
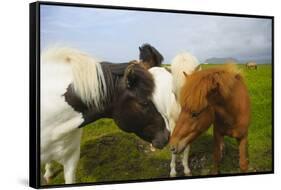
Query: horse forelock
x,y
199,85
145,85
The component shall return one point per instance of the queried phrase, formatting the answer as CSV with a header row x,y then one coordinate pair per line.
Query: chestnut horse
x,y
215,96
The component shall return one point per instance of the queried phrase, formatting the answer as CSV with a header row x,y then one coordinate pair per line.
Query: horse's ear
x,y
157,56
185,74
198,68
140,48
130,78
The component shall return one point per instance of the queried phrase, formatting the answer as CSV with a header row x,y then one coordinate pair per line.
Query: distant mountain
x,y
220,60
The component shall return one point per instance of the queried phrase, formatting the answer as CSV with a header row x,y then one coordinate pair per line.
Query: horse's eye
x,y
145,103
195,114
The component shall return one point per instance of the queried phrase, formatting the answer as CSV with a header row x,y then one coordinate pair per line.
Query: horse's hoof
x,y
214,172
187,173
152,149
173,174
244,169
244,166
47,180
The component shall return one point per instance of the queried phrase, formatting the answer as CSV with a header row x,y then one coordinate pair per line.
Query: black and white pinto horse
x,y
77,89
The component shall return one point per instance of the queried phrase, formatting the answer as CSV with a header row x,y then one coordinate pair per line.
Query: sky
x,y
115,35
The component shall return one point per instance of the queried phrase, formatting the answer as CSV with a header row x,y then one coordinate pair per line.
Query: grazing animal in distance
x,y
251,65
77,89
215,96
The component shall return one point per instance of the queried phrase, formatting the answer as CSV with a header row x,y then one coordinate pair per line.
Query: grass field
x,y
108,154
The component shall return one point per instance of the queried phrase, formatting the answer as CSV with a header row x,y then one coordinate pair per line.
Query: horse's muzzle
x,y
161,140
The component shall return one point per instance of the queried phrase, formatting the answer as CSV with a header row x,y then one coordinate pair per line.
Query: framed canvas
x,y
127,94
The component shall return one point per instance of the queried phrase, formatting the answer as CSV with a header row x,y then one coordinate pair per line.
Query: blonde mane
x,y
199,84
87,75
182,62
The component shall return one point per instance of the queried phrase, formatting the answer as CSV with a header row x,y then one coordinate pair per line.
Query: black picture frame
x,y
34,98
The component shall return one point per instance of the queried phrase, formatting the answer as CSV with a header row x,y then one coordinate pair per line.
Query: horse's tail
x,y
87,74
182,62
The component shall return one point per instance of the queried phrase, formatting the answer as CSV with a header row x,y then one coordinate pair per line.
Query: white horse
x,y
167,86
60,136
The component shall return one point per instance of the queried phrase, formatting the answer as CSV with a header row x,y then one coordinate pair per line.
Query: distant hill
x,y
220,60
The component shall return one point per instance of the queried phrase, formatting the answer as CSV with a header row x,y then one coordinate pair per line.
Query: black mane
x,y
150,55
116,68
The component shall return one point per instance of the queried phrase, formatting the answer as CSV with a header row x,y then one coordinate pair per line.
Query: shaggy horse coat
x,y
77,89
216,96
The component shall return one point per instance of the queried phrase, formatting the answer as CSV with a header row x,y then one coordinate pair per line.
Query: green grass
x,y
108,154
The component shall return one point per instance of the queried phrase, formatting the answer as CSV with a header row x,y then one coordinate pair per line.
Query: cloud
x,y
115,35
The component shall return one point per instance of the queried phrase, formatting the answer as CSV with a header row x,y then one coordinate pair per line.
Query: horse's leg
x,y
48,172
70,167
218,146
243,153
71,158
152,149
185,161
173,172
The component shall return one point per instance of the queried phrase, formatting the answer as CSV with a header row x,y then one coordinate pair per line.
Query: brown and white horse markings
x,y
77,89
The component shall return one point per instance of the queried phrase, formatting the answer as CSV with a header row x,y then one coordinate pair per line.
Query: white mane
x,y
165,101
182,62
163,97
87,75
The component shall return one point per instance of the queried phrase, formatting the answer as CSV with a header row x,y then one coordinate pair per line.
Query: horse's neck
x,y
116,69
113,73
89,112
